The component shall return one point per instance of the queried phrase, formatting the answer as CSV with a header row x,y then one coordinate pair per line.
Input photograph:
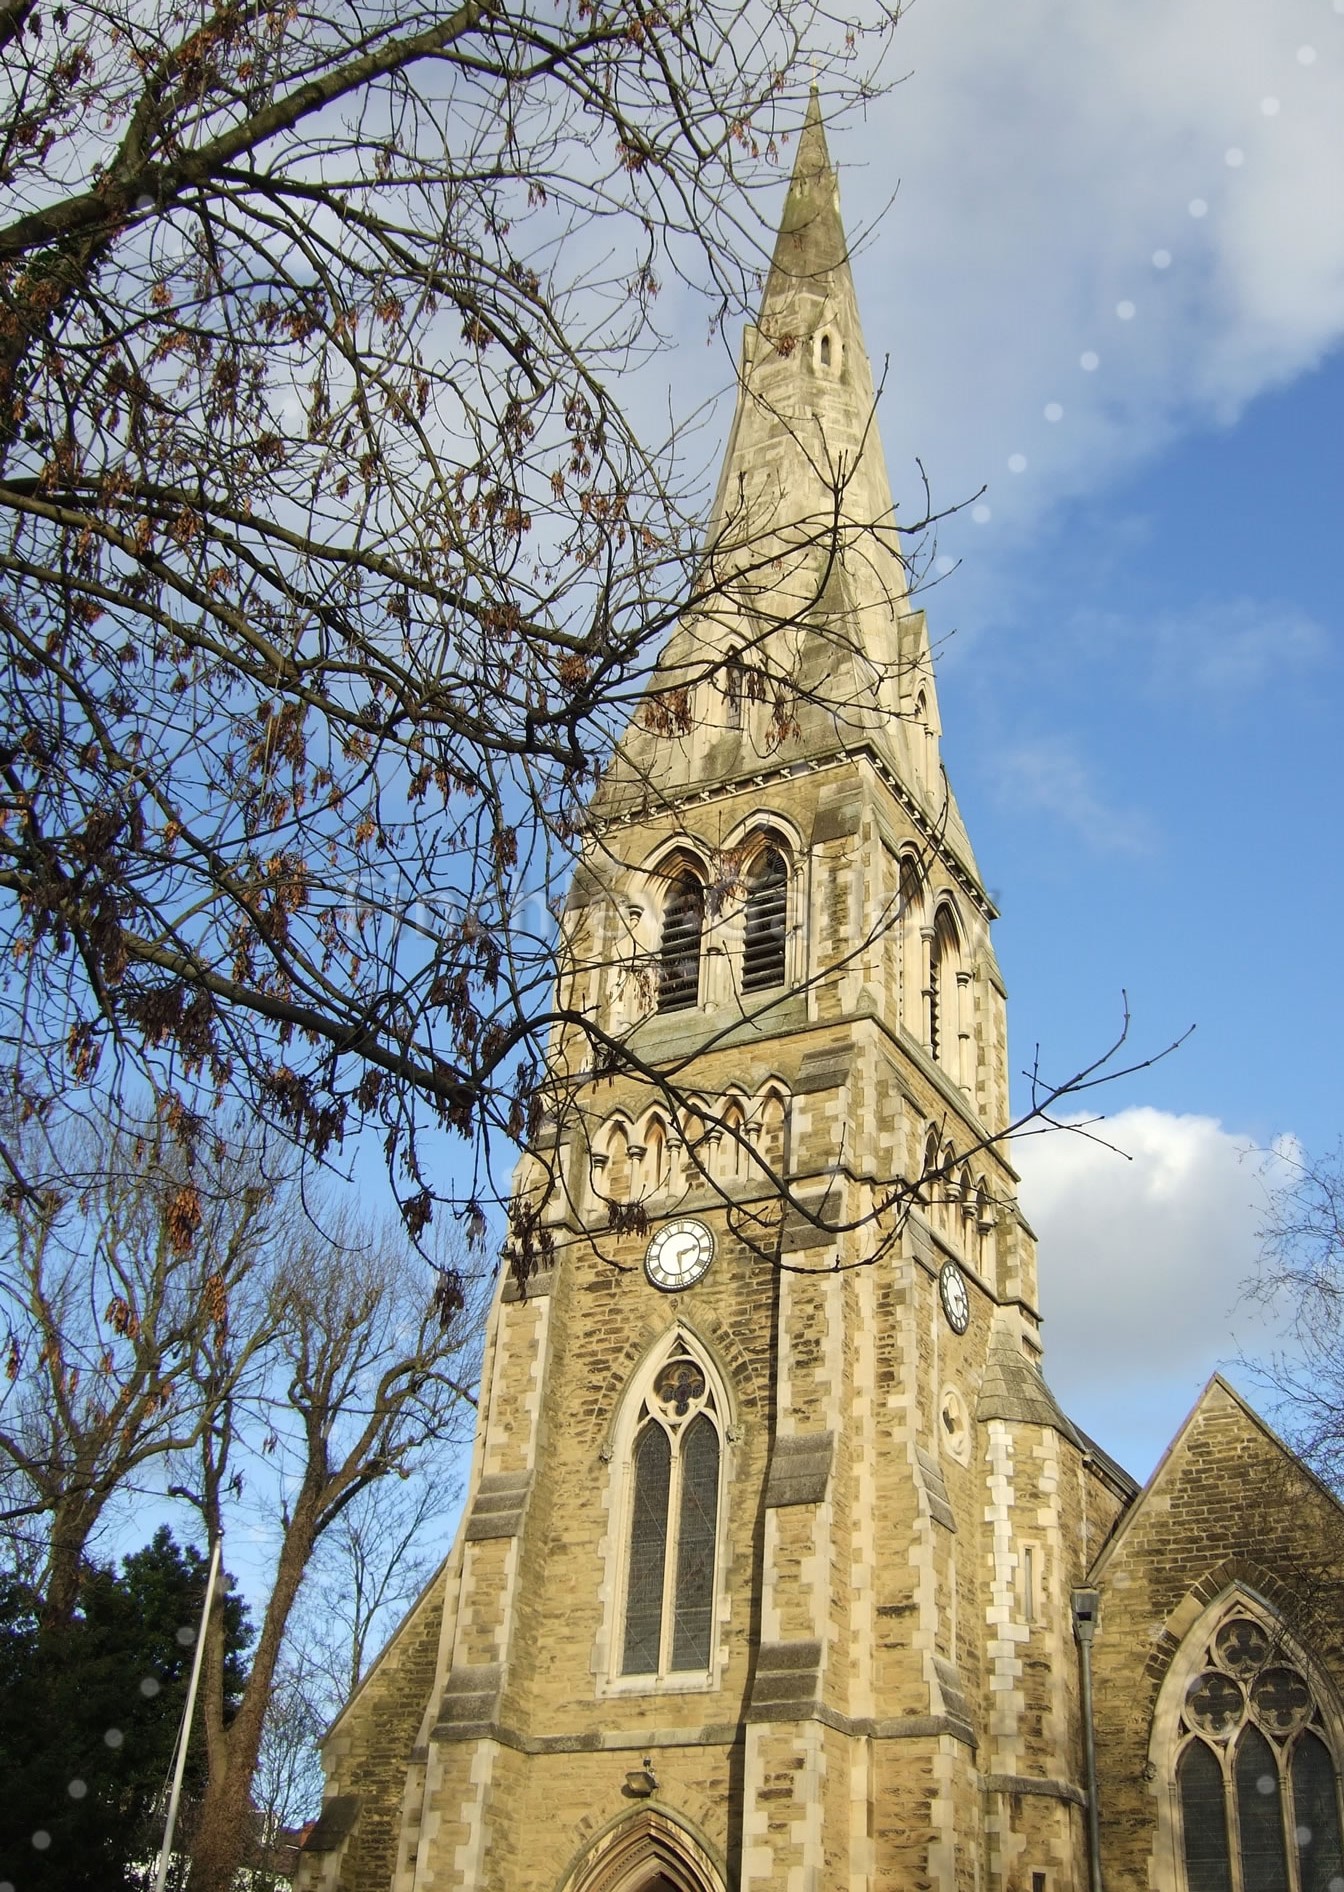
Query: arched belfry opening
x,y
679,950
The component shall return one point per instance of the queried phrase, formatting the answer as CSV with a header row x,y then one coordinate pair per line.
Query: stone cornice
x,y
715,1734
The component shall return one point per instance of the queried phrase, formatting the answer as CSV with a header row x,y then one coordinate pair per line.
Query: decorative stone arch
x,y
947,1192
693,1140
1170,1735
612,1158
678,850
966,1211
770,1121
648,1851
1241,1574
926,735
655,1163
764,827
733,1153
636,1374
746,1392
983,1223
930,1192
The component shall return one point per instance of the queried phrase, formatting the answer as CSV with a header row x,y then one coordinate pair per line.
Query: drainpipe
x,y
1085,1605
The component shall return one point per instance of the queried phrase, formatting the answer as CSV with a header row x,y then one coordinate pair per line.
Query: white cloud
x,y
1235,647
1048,776
1142,1268
1225,649
1045,154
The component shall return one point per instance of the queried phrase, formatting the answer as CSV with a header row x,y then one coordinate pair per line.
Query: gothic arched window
x,y
1257,1791
910,934
944,963
674,1525
765,923
679,950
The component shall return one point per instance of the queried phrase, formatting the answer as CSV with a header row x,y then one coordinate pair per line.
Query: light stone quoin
x,y
853,1666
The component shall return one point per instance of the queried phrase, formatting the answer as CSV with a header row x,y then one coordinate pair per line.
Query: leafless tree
x,y
117,1268
189,1318
366,1571
336,569
1300,1281
371,1566
370,1365
287,1783
333,567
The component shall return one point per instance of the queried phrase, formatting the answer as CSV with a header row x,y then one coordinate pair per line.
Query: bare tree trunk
x,y
72,1521
361,1396
225,1826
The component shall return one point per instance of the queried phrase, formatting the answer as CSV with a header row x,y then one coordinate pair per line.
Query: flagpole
x,y
184,1732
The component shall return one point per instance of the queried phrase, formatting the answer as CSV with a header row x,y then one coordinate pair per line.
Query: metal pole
x,y
184,1732
1085,1605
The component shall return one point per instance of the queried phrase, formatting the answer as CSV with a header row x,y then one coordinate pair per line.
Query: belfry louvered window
x,y
765,926
679,952
674,1521
1256,1784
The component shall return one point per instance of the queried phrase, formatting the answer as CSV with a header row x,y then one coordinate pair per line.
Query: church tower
x,y
764,1577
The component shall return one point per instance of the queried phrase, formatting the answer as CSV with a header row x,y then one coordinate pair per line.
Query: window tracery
x,y
1257,1790
674,1524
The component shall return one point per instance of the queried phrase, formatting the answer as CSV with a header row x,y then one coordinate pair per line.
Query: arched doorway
x,y
649,1852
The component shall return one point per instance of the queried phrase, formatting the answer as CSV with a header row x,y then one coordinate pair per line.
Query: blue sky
x,y
1111,288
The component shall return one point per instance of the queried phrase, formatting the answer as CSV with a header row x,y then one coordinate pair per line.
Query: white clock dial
x,y
956,1301
678,1255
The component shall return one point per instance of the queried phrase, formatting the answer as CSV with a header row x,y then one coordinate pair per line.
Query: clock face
x,y
678,1255
956,1301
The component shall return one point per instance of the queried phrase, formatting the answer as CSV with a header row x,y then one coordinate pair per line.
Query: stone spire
x,y
811,240
806,643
